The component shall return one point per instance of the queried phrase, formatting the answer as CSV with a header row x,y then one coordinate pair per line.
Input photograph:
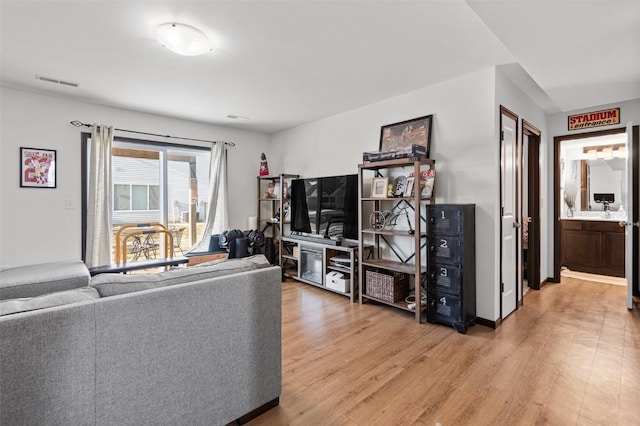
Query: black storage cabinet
x,y
451,271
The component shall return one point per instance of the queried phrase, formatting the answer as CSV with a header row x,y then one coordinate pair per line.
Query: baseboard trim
x,y
488,323
258,411
548,280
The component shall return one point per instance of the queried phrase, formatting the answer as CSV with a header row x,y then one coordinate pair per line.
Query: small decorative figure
x,y
264,166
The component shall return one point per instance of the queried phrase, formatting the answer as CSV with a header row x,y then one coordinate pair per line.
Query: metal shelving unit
x,y
271,208
413,264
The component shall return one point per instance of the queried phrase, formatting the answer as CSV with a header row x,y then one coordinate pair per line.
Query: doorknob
x,y
516,225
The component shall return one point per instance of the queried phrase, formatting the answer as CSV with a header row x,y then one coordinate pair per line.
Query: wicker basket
x,y
389,287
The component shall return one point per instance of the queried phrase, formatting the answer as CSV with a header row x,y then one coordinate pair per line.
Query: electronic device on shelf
x,y
344,261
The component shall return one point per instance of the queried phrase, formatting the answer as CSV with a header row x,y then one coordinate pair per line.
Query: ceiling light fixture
x,y
605,152
183,39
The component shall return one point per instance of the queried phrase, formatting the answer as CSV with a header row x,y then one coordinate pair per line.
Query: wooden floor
x,y
569,356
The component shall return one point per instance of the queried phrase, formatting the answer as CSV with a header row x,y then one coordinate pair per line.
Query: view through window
x,y
158,183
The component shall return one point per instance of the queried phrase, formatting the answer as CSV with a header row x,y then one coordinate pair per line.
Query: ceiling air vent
x,y
55,80
237,117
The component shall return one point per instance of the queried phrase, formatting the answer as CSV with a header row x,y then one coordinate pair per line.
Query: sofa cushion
x,y
14,306
43,278
113,284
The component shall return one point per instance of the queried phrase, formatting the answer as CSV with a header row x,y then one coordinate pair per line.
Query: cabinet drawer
x,y
442,307
572,224
444,248
444,220
604,227
445,278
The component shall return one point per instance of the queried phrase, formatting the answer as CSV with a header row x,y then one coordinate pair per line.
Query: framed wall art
x,y
37,168
399,136
379,187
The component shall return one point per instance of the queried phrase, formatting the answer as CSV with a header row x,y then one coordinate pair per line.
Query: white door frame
x,y
628,238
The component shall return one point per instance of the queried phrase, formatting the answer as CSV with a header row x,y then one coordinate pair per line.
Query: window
x,y
154,182
121,197
127,197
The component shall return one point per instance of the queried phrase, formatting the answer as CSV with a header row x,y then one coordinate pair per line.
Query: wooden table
x,y
195,259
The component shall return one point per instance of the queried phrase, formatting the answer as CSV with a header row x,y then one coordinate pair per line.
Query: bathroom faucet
x,y
607,211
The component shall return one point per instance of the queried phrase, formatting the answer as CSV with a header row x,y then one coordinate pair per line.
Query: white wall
x,y
34,224
557,125
514,99
463,145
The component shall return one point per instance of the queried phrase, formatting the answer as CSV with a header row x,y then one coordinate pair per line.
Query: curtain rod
x,y
81,124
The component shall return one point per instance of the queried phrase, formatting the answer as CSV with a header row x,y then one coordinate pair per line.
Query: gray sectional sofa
x,y
194,347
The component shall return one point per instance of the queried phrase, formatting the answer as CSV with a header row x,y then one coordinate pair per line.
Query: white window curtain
x,y
218,213
98,244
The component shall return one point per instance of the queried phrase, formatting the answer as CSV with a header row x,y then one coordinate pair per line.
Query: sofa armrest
x,y
43,278
47,366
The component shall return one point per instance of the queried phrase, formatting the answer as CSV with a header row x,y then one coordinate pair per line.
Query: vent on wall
x,y
55,80
237,117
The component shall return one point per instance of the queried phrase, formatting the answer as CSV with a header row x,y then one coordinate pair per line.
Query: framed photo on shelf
x,y
37,168
428,178
403,135
408,186
379,187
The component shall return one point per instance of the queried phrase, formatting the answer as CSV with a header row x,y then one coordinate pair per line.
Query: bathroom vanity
x,y
593,243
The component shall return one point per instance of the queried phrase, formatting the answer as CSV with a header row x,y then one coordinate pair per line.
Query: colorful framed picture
x,y
37,168
379,187
403,135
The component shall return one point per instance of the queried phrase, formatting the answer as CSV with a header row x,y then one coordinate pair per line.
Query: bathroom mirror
x,y
593,177
592,166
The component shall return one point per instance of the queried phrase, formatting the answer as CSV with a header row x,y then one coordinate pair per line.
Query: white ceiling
x,y
284,63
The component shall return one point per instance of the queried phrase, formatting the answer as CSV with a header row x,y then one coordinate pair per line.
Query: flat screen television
x,y
325,207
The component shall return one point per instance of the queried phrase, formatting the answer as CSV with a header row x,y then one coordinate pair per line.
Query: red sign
x,y
605,117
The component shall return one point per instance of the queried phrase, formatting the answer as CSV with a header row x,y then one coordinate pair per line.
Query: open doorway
x,y
595,203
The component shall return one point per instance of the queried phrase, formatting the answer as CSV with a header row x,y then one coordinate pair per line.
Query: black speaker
x,y
270,250
214,243
241,248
